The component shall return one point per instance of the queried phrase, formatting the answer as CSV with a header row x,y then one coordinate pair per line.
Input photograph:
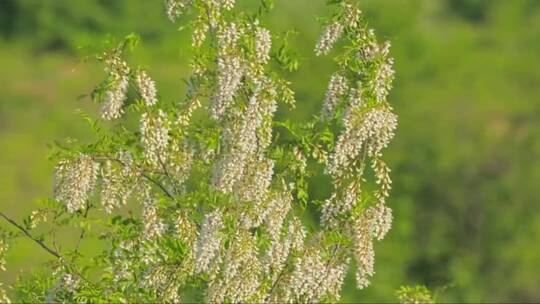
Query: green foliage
x,y
418,294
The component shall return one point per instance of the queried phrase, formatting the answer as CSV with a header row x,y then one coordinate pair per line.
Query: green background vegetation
x,y
466,158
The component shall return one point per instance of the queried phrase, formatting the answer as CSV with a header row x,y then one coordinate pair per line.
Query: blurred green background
x,y
466,158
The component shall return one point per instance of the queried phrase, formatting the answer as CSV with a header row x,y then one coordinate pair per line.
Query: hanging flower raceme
x,y
147,88
368,125
75,180
155,137
118,84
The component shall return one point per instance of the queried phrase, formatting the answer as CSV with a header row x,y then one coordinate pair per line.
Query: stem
x,y
37,241
83,231
146,176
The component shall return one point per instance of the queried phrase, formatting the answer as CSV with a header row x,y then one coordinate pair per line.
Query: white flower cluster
x,y
179,162
313,278
380,216
187,230
154,226
74,180
279,207
198,37
112,106
381,84
147,88
371,131
368,127
230,69
263,44
207,250
337,88
227,4
374,223
382,175
245,140
117,184
351,15
4,247
36,217
69,282
339,204
331,35
155,137
241,270
174,8
280,249
162,282
364,253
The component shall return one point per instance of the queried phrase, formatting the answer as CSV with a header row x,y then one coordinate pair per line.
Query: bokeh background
x,y
466,158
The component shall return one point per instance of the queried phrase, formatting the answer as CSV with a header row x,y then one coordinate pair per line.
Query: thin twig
x,y
83,231
37,241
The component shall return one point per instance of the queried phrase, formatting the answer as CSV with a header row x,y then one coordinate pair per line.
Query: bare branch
x,y
37,241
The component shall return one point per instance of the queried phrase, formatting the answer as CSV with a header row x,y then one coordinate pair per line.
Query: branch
x,y
37,241
83,231
159,185
148,177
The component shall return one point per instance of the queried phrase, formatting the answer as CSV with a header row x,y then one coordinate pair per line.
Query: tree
x,y
213,209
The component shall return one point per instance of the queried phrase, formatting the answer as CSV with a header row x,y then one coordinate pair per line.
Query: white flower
x,y
116,185
230,72
380,216
314,278
75,179
153,225
175,8
114,99
115,96
337,87
69,282
371,131
240,276
227,4
364,253
208,245
327,40
147,88
200,28
263,44
155,137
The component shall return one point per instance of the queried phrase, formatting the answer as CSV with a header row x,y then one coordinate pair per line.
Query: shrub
x,y
213,209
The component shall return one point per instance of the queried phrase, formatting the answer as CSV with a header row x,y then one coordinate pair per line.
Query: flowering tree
x,y
212,209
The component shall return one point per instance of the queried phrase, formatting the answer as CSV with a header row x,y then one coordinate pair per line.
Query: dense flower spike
x,y
263,44
147,88
239,280
331,35
112,105
313,278
155,137
207,252
365,257
153,225
337,87
370,132
75,179
118,180
230,69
